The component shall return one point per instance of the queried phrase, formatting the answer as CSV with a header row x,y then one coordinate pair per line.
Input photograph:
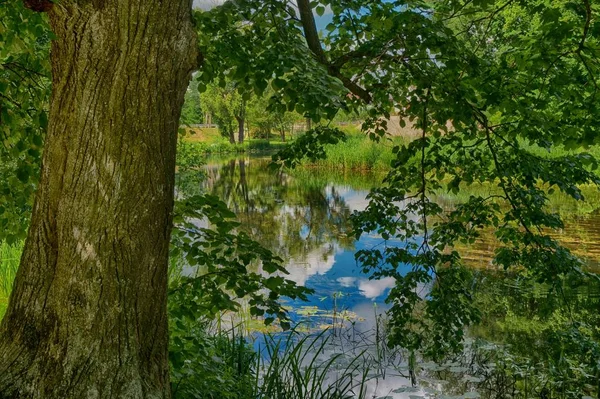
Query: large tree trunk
x,y
87,315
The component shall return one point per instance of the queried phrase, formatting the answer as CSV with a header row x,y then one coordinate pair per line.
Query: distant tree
x,y
191,113
227,108
266,113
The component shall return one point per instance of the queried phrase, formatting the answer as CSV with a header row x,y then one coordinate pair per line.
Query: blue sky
x,y
322,21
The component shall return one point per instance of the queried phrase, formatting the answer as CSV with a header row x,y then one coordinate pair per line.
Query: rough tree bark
x,y
87,315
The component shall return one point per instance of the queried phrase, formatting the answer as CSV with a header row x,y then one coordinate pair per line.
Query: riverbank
x,y
358,152
210,141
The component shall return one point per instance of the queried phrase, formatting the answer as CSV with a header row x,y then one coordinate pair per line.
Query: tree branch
x,y
310,30
588,20
314,44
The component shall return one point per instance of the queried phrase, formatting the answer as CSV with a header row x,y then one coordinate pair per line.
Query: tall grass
x,y
302,370
358,152
225,366
225,147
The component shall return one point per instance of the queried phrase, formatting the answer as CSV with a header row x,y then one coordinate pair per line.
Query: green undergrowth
x,y
210,141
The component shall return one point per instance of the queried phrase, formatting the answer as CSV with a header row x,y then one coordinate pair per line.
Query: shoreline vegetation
x,y
357,153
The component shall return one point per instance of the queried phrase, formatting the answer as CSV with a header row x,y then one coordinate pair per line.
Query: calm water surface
x,y
303,216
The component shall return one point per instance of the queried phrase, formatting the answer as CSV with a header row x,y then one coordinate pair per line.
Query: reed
x,y
303,370
358,152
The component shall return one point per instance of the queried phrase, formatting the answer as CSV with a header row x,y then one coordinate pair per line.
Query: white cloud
x,y
371,289
347,281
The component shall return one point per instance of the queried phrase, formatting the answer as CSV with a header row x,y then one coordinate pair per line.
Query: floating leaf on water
x,y
432,381
472,378
308,311
415,396
405,389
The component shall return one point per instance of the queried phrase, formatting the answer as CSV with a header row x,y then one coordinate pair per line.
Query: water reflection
x,y
305,219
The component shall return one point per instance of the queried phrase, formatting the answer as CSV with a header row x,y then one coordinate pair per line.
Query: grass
x,y
357,153
10,256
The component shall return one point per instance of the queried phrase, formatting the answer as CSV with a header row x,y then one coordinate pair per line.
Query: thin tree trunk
x,y
87,315
241,128
241,118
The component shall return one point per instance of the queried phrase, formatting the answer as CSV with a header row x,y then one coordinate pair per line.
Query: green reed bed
x,y
358,152
302,370
224,365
